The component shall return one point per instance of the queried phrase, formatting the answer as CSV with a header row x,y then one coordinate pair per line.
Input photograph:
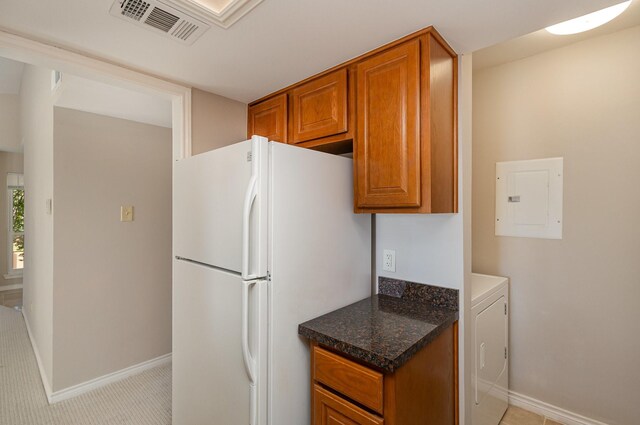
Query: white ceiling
x,y
104,99
541,41
10,76
280,41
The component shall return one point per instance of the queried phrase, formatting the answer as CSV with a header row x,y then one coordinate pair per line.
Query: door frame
x,y
45,54
28,50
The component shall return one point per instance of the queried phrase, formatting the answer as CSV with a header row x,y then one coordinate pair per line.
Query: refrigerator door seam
x,y
222,269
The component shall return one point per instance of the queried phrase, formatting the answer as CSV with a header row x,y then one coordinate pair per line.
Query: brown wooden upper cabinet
x,y
405,151
395,108
269,119
388,142
319,107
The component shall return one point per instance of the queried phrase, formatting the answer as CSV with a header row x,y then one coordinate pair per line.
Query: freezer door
x,y
211,383
220,207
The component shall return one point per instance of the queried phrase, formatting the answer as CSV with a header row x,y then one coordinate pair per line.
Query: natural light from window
x,y
15,202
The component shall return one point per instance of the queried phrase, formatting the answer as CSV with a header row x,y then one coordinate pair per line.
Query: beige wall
x,y
112,289
9,163
36,130
9,123
575,302
216,121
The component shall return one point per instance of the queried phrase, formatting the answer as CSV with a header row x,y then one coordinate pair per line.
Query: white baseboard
x,y
43,376
110,378
550,411
10,287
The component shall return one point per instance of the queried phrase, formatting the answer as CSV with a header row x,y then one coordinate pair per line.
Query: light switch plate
x,y
126,213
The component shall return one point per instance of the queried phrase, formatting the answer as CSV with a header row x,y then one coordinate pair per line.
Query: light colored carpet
x,y
144,399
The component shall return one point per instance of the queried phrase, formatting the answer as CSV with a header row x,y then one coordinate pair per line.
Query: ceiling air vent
x,y
135,9
159,17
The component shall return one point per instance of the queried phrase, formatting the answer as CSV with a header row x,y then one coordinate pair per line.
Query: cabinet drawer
x,y
328,409
357,382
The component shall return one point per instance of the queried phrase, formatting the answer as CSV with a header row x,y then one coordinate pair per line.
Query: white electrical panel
x,y
529,198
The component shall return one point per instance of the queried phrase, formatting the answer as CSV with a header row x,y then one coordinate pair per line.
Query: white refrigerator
x,y
264,238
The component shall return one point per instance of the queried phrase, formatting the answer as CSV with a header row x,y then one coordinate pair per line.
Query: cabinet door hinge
x,y
505,352
505,309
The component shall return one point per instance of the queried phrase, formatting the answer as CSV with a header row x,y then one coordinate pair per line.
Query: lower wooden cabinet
x,y
423,391
329,409
362,384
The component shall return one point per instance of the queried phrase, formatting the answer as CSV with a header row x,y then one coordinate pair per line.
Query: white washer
x,y
490,326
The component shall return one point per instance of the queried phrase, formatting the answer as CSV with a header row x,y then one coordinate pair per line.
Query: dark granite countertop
x,y
383,331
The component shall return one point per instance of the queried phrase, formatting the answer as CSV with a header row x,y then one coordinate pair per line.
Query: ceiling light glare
x,y
590,21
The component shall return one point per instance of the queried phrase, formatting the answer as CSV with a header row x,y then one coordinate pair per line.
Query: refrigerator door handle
x,y
249,360
250,197
250,363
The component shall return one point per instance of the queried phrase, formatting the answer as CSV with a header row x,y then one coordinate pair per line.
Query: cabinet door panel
x,y
269,119
388,136
320,107
329,409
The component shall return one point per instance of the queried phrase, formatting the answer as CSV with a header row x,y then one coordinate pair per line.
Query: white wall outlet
x,y
389,260
126,213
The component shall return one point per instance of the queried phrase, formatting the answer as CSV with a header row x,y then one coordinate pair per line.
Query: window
x,y
15,198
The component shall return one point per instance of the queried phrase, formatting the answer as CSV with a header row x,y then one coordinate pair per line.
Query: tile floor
x,y
518,416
